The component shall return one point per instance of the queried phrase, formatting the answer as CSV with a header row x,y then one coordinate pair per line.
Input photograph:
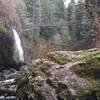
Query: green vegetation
x,y
48,77
6,45
48,26
77,13
58,58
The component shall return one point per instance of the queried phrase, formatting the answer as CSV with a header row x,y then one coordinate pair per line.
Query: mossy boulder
x,y
62,75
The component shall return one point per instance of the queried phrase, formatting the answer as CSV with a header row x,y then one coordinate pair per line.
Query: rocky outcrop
x,y
6,48
62,75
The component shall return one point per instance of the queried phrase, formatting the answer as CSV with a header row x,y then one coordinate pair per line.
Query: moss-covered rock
x,y
63,75
6,48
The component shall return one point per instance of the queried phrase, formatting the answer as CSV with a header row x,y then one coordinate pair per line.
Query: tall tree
x,y
70,16
82,21
47,11
60,9
70,11
94,22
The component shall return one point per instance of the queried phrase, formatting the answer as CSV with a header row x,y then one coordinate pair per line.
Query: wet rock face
x,y
63,75
6,49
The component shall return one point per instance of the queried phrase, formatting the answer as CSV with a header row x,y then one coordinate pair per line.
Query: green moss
x,y
37,83
86,55
6,45
44,65
29,84
90,70
58,58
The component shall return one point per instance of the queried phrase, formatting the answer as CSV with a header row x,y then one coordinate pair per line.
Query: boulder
x,y
62,75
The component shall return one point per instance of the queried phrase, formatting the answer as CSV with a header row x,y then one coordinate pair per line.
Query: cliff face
x,y
8,19
6,49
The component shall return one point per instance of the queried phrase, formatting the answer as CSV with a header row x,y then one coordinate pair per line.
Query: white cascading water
x,y
18,45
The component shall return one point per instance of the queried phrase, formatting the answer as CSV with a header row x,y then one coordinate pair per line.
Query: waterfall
x,y
18,45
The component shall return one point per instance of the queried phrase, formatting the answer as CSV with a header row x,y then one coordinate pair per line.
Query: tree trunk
x,y
94,22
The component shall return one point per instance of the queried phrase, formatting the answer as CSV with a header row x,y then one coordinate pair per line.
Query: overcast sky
x,y
68,1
